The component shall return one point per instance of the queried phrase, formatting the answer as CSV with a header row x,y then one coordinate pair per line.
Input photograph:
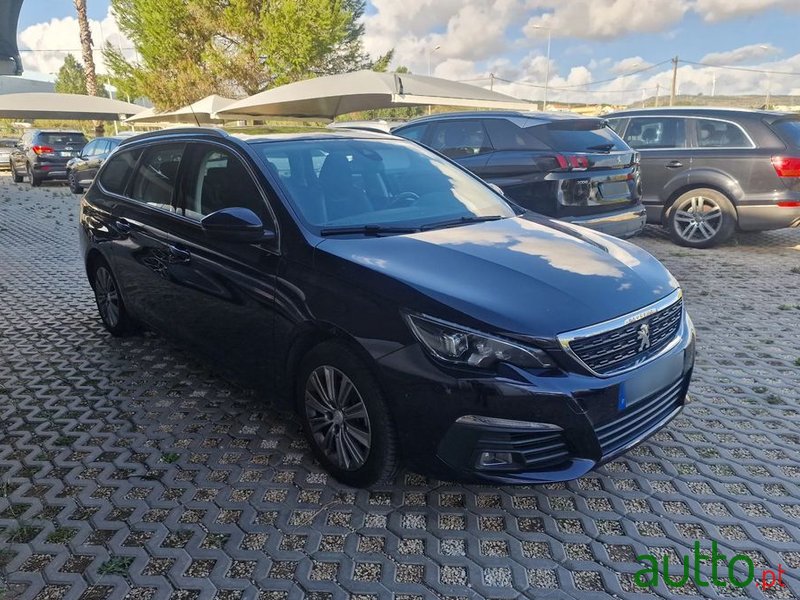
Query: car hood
x,y
524,275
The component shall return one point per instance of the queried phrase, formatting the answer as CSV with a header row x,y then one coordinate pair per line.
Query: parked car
x,y
42,155
558,164
6,145
409,310
82,169
708,171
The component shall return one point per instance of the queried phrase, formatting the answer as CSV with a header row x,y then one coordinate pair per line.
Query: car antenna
x,y
194,114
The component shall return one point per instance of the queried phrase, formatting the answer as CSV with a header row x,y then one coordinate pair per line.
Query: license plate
x,y
67,153
650,378
614,190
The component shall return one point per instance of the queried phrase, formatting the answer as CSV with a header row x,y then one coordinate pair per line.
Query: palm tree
x,y
88,55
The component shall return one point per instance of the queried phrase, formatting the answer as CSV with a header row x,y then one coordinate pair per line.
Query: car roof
x,y
544,117
700,110
208,132
57,131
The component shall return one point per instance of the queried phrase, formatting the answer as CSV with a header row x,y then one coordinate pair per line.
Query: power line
x,y
732,68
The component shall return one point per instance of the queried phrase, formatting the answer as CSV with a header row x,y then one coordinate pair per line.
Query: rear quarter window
x,y
117,171
788,131
505,135
589,135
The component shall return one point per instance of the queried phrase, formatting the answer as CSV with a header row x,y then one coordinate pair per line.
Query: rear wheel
x,y
35,181
344,416
72,180
16,176
109,301
701,218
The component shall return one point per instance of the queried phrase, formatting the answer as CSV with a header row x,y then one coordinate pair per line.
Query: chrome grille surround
x,y
607,349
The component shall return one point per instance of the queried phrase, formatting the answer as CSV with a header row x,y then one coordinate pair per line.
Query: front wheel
x,y
72,180
701,218
344,416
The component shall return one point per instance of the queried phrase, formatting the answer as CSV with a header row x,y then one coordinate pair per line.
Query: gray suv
x,y
708,171
43,155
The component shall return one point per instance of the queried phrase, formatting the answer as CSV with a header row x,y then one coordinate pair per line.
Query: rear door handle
x,y
674,164
122,226
179,255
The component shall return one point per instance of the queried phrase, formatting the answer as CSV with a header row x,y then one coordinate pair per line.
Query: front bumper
x,y
529,428
621,223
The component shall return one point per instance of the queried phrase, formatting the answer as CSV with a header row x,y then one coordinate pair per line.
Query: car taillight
x,y
42,149
789,203
786,166
569,162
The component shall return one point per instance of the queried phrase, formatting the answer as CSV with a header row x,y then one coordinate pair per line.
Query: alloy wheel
x,y
107,296
338,418
698,219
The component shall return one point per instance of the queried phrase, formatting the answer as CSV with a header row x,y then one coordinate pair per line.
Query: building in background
x,y
18,85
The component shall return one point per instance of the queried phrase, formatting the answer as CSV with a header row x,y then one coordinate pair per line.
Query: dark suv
x,y
707,171
409,311
43,155
561,165
82,169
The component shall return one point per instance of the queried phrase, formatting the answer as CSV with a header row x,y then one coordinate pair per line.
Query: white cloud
x,y
718,10
604,19
632,63
742,54
52,40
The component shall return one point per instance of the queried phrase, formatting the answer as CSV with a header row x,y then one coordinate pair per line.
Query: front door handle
x,y
122,226
674,164
179,255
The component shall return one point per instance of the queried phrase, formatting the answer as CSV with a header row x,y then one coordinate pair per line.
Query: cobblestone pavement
x,y
129,469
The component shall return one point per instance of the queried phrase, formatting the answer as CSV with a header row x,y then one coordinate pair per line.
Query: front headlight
x,y
456,344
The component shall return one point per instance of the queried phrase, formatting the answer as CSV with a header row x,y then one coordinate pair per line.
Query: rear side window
x,y
61,139
8,143
656,132
505,135
584,135
155,178
117,171
789,132
413,132
460,139
720,134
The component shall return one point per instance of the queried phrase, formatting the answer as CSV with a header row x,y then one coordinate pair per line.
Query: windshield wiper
x,y
461,221
602,147
366,230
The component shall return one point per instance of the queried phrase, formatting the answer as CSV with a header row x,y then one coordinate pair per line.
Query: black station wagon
x,y
408,311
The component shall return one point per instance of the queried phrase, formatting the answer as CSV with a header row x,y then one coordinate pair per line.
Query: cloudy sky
x,y
602,50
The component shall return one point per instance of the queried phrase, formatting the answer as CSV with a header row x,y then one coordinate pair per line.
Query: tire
x,y
35,181
372,435
109,301
715,224
17,178
73,183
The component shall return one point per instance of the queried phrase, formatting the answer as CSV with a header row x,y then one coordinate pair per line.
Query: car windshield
x,y
350,183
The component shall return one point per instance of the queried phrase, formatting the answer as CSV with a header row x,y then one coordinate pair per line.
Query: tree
x,y
193,48
88,56
71,78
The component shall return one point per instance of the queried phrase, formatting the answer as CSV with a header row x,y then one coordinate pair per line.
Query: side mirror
x,y
235,224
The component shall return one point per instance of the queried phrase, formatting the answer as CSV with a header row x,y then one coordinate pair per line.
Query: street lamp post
x,y
431,51
547,68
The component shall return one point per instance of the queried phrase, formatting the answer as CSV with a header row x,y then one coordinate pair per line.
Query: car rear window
x,y
8,143
56,139
789,131
580,135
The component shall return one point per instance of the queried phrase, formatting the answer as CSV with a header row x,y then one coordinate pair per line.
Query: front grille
x,y
530,450
618,349
639,419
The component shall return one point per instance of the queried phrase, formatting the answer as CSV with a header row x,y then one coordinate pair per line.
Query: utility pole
x,y
491,81
658,91
769,91
713,83
674,81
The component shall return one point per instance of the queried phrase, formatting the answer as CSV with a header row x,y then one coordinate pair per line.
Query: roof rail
x,y
212,131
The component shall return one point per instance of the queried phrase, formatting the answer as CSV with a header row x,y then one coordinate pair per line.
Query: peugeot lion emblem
x,y
644,336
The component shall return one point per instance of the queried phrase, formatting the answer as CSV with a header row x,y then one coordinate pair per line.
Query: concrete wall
x,y
17,85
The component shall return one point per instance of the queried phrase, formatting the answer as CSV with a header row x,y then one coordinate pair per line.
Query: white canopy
x,y
202,111
333,95
70,107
